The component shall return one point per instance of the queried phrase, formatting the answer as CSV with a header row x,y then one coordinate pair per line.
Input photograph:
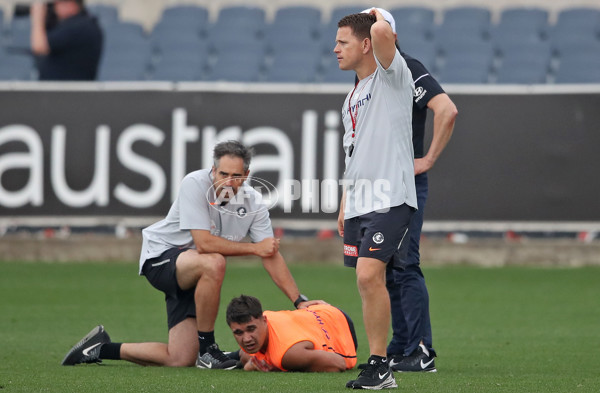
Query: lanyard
x,y
354,118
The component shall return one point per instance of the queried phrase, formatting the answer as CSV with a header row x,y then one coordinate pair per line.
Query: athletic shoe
x,y
420,360
214,358
374,376
88,349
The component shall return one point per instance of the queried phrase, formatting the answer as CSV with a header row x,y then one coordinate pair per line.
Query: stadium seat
x,y
503,38
529,70
449,39
298,16
123,66
244,17
578,20
413,21
125,31
19,33
424,51
527,21
279,36
474,69
331,73
175,70
528,51
294,66
578,71
339,12
567,44
107,14
183,19
465,21
16,66
230,66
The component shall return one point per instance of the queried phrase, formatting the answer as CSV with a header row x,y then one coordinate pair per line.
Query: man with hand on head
x,y
318,338
184,256
377,116
411,346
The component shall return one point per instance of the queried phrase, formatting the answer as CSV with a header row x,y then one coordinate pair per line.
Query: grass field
x,y
495,330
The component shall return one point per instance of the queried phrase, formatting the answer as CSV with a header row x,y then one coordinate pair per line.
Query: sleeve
x,y
426,87
261,226
193,205
398,72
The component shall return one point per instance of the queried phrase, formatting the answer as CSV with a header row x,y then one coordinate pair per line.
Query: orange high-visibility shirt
x,y
323,325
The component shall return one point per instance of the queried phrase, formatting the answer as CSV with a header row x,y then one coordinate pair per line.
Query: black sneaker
x,y
420,360
88,349
374,376
214,358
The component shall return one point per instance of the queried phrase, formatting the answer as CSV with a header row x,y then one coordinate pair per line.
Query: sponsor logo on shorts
x,y
378,238
351,251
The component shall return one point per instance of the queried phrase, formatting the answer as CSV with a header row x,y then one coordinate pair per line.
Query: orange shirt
x,y
323,325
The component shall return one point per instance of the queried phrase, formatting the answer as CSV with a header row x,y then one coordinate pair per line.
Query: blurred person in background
x,y
69,50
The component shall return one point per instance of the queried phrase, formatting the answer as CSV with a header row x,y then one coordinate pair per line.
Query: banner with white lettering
x,y
123,153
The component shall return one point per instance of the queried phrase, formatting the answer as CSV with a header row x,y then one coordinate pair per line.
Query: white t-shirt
x,y
380,172
195,208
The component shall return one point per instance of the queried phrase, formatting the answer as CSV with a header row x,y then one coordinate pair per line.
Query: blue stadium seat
x,y
331,73
467,50
474,68
279,36
526,21
449,39
123,66
527,51
16,66
530,70
339,12
423,50
465,21
413,21
106,14
503,38
182,46
578,71
574,44
183,18
230,66
294,66
125,31
242,17
176,71
578,20
19,33
298,16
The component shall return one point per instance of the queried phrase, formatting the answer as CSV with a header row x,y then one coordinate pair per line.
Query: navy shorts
x,y
160,272
378,235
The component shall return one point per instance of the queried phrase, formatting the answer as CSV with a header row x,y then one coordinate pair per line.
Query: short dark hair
x,y
233,148
242,309
359,23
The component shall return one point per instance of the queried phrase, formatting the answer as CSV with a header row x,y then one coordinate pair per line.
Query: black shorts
x,y
378,235
160,272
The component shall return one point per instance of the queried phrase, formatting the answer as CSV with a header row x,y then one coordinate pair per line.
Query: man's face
x,y
348,48
252,335
228,176
66,8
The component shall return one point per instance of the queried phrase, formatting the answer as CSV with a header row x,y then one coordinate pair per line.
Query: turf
x,y
495,330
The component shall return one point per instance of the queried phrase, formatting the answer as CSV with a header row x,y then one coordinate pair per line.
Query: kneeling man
x,y
316,338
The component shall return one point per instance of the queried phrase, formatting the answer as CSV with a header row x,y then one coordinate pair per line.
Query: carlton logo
x,y
351,251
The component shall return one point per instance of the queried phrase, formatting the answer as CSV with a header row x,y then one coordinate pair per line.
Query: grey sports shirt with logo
x,y
380,172
195,208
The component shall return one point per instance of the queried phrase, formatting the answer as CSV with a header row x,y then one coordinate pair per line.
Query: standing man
x,y
379,196
411,346
71,50
319,338
184,255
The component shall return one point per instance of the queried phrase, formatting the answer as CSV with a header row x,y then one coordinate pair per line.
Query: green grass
x,y
495,330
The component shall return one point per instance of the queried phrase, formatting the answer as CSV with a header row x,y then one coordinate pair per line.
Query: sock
x,y
378,359
110,351
206,339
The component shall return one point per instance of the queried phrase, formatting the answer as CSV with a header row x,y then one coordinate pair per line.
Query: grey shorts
x,y
160,272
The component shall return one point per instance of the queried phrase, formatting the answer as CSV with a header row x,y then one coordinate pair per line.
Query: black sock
x,y
110,351
378,359
206,339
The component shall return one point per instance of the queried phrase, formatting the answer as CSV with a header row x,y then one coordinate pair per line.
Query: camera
x,y
23,10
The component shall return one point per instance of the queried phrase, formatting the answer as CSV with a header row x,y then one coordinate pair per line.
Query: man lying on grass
x,y
316,338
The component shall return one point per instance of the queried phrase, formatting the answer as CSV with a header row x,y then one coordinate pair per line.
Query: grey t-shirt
x,y
195,208
380,172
